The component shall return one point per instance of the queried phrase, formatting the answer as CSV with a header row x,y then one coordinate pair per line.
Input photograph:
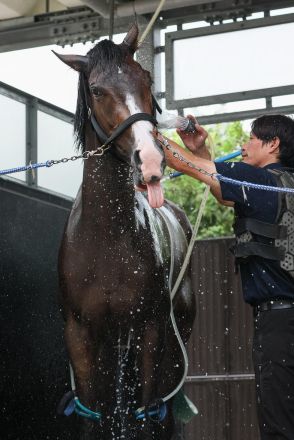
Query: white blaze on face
x,y
150,156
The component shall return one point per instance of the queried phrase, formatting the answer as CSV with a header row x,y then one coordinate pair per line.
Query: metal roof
x,y
33,23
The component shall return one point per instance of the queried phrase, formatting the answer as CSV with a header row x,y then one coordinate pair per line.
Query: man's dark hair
x,y
268,127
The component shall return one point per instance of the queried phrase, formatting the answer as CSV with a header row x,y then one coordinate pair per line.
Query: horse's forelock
x,y
106,54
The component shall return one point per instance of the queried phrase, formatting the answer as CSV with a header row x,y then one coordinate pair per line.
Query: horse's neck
x,y
107,192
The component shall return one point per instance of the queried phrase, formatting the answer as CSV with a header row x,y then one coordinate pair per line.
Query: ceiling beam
x,y
223,10
80,25
140,7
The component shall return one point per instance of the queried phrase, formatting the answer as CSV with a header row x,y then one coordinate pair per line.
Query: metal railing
x,y
32,106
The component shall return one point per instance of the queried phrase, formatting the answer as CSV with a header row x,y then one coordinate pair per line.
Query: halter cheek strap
x,y
121,128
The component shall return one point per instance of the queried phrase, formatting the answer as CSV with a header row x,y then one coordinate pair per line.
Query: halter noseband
x,y
107,140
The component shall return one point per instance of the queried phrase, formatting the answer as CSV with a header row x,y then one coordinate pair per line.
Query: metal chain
x,y
85,155
187,162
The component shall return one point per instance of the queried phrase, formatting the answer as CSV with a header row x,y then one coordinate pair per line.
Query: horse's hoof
x,y
66,405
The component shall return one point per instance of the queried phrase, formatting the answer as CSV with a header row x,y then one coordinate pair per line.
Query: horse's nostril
x,y
154,179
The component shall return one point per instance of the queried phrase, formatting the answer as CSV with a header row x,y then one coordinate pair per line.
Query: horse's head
x,y
115,87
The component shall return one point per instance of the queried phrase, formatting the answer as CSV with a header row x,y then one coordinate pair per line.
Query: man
x,y
264,252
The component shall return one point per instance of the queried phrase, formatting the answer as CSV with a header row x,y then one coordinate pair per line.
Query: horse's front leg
x,y
82,353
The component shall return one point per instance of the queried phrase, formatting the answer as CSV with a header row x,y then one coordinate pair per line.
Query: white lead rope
x,y
192,241
172,316
151,23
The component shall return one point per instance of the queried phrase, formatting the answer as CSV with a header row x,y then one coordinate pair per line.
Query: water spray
x,y
169,121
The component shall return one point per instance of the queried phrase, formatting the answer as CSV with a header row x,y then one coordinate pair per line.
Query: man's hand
x,y
195,142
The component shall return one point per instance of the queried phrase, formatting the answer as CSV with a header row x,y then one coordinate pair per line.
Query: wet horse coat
x,y
115,255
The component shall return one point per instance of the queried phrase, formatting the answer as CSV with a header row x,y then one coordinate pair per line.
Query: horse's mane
x,y
103,56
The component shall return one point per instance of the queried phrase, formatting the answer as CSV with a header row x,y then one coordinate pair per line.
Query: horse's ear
x,y
77,62
131,39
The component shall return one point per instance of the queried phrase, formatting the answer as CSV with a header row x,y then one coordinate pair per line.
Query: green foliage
x,y
187,192
227,137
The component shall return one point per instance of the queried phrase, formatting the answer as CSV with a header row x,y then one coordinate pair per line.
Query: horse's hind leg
x,y
149,356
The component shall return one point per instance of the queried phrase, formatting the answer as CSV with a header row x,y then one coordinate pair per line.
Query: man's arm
x,y
196,143
200,159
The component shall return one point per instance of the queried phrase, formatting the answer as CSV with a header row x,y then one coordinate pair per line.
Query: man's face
x,y
255,152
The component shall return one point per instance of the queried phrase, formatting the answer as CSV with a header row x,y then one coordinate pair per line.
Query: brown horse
x,y
115,256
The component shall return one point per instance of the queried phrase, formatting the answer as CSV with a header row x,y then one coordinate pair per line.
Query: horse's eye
x,y
98,93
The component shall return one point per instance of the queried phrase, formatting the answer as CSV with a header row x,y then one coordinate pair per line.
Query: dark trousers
x,y
273,359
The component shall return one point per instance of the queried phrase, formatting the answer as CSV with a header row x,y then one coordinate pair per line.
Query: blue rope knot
x,y
83,411
155,411
70,404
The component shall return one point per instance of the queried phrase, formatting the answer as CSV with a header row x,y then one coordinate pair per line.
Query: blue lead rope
x,y
253,185
26,167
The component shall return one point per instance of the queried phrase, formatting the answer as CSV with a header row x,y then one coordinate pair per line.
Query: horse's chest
x,y
122,284
123,295
113,270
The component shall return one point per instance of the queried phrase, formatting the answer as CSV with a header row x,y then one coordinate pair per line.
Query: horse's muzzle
x,y
149,164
